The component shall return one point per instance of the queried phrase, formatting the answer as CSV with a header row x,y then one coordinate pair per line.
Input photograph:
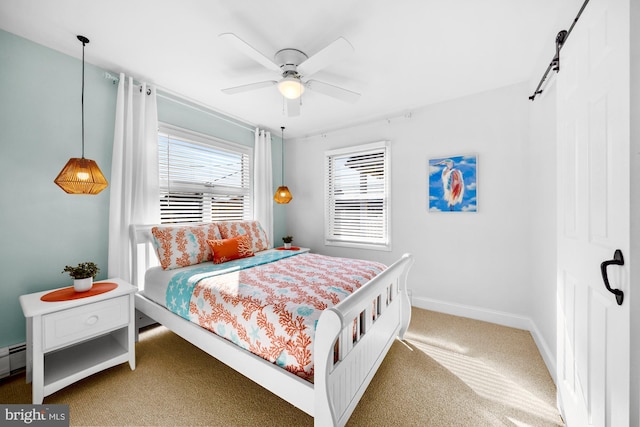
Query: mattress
x,y
156,281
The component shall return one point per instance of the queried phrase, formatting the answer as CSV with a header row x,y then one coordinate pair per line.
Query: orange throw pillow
x,y
229,249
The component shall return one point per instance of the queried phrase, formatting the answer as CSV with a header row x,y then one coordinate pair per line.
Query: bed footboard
x,y
353,338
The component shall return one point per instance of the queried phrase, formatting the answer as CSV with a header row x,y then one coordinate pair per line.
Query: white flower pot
x,y
287,245
82,285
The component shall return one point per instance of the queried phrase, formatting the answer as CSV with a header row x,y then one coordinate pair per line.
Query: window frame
x,y
207,141
383,244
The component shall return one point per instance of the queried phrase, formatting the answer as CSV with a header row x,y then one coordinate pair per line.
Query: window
x,y
202,179
357,196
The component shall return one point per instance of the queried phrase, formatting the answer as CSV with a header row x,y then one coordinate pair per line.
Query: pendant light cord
x,y
282,174
82,99
84,41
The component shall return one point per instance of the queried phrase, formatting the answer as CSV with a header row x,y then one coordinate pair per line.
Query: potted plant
x,y
287,241
83,275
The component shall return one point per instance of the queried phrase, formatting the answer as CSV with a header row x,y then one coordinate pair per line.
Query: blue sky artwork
x,y
452,184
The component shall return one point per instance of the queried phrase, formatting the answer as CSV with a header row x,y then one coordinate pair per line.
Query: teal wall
x,y
42,229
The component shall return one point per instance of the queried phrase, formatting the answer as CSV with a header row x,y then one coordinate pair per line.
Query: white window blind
x,y
202,179
357,196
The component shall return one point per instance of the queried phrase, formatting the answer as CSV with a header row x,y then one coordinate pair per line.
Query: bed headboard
x,y
143,254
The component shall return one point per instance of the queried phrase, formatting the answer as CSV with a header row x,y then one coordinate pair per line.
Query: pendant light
x,y
81,176
283,195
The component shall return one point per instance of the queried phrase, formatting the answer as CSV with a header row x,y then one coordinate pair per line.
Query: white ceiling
x,y
408,53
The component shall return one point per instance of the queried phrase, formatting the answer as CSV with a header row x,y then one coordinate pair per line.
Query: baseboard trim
x,y
548,357
492,316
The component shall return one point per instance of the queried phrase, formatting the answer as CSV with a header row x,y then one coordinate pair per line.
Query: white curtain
x,y
263,182
134,183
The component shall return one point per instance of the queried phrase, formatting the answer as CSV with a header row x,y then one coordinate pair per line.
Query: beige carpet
x,y
449,371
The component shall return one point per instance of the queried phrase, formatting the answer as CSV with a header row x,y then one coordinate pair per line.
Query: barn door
x,y
593,218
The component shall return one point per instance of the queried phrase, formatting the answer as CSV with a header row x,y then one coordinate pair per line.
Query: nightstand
x,y
70,340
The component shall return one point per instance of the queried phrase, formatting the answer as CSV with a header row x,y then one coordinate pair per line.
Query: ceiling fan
x,y
293,65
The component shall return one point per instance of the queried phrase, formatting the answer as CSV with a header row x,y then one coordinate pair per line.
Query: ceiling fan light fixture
x,y
291,87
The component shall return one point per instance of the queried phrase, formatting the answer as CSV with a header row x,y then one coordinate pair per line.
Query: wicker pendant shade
x,y
282,195
81,176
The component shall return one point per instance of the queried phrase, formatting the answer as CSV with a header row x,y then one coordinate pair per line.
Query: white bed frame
x,y
338,386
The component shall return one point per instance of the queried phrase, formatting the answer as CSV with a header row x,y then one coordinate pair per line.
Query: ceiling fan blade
x,y
250,86
293,107
330,54
250,51
333,91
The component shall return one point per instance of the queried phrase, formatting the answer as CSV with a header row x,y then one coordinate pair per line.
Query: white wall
x,y
542,233
473,264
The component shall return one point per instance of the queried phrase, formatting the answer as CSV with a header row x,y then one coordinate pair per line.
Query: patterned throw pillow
x,y
229,249
180,246
252,229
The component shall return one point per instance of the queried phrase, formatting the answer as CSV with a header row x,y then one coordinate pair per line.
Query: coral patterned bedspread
x,y
271,309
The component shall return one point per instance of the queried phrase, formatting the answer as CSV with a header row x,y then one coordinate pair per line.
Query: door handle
x,y
618,259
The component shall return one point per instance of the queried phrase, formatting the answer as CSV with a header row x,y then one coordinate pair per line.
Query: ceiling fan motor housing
x,y
289,59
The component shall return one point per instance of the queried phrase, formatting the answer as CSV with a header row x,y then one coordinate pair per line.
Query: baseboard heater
x,y
13,359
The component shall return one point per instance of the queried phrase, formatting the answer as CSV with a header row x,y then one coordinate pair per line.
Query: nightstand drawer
x,y
86,321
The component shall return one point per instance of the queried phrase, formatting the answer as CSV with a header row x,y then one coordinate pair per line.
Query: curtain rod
x,y
554,65
186,102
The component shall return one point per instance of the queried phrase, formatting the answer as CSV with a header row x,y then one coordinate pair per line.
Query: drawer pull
x,y
91,320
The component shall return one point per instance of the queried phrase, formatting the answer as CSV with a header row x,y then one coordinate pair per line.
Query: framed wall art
x,y
453,184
